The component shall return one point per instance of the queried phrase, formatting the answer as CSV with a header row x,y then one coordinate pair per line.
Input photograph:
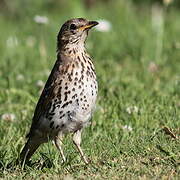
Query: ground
x,y
135,129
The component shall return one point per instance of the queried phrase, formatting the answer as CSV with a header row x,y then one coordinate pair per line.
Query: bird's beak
x,y
89,25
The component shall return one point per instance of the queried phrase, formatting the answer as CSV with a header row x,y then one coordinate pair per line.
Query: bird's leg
x,y
58,142
77,142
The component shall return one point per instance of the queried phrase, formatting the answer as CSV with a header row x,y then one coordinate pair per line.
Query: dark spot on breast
x,y
75,83
77,101
67,67
76,79
59,92
73,97
69,77
61,116
60,112
73,89
50,118
51,114
59,102
79,87
82,64
87,73
84,58
51,124
62,125
57,126
65,97
65,104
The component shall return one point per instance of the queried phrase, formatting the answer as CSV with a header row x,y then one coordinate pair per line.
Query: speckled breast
x,y
72,108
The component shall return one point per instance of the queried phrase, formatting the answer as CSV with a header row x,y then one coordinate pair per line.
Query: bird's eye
x,y
72,27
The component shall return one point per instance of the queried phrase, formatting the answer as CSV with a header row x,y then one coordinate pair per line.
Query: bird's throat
x,y
72,50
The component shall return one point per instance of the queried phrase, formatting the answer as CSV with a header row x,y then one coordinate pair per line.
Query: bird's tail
x,y
28,150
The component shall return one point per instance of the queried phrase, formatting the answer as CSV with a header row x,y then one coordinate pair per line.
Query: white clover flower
x,y
40,83
41,19
12,41
19,77
8,117
132,109
103,26
127,128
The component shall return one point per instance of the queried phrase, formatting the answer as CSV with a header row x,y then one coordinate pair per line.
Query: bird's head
x,y
74,32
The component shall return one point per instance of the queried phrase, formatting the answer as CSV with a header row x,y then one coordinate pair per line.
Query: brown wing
x,y
46,96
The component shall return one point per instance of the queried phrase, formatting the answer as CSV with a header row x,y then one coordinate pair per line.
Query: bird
x,y
67,102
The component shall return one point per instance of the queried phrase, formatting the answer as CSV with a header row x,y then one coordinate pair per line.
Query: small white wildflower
x,y
127,128
40,83
12,41
8,117
19,77
41,19
132,109
103,26
135,110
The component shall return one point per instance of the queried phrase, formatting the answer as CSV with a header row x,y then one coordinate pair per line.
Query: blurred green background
x,y
136,51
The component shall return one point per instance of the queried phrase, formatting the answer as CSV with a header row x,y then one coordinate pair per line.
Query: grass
x,y
138,70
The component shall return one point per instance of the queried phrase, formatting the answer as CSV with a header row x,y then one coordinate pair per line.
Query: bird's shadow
x,y
44,162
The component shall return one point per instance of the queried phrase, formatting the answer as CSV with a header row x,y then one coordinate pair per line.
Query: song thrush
x,y
68,99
